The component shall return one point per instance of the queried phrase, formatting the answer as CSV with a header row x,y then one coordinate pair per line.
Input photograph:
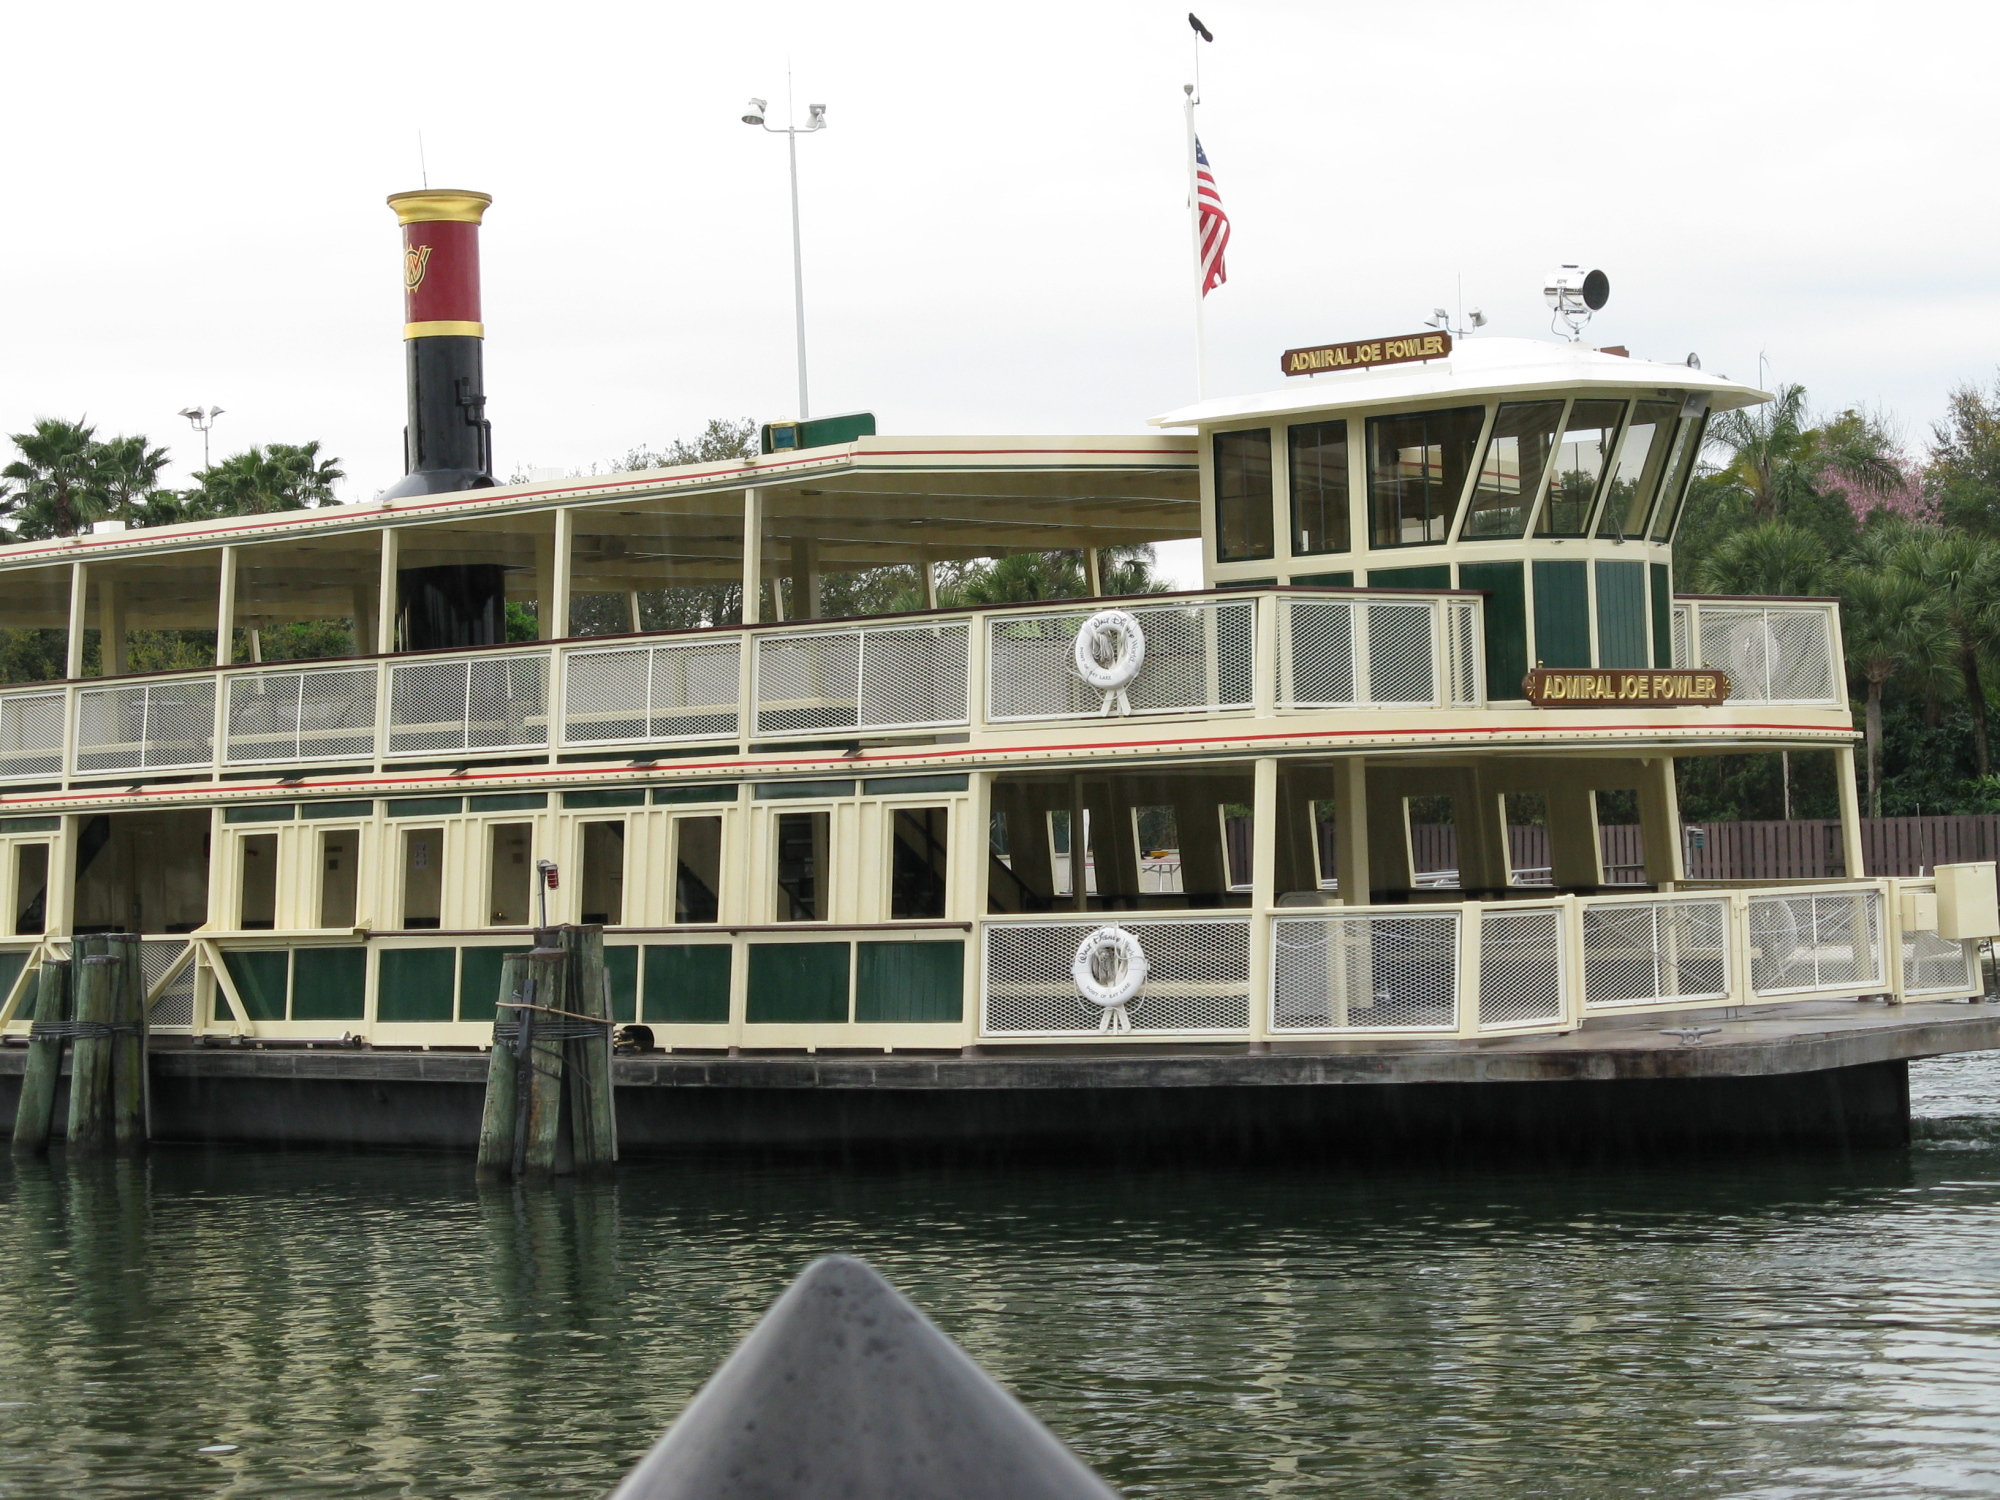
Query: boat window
x,y
31,888
918,866
260,883
602,890
423,877
1236,844
697,869
1059,855
1586,439
1243,495
1318,466
1687,449
802,866
510,876
1157,833
1510,475
1636,475
1417,468
339,876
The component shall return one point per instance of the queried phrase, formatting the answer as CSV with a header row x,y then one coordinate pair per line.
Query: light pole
x,y
201,421
815,120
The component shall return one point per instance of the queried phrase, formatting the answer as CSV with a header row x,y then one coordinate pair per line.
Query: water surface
x,y
376,1326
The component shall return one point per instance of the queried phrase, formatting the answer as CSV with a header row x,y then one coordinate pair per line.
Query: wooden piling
x,y
98,977
538,1102
128,1046
496,1123
587,1059
35,1116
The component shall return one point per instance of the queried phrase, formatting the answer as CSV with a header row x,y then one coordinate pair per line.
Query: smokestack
x,y
448,444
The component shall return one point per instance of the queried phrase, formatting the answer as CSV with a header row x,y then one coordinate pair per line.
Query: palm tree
x,y
281,476
57,485
1765,445
1889,621
1772,558
1960,573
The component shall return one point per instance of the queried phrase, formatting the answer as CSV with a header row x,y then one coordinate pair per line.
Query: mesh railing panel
x,y
31,734
1365,972
312,715
1199,977
913,675
1771,655
1198,656
474,703
1401,666
1830,940
1649,952
175,1004
1316,654
1521,967
145,726
1683,646
680,690
808,681
1934,965
1465,653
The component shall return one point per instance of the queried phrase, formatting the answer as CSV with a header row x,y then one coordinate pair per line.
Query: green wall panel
x,y
688,983
260,977
1663,616
1562,614
1344,580
621,968
329,984
1506,588
1621,614
909,982
798,982
415,984
1433,576
479,981
9,973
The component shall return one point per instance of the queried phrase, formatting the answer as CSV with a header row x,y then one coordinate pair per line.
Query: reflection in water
x,y
381,1326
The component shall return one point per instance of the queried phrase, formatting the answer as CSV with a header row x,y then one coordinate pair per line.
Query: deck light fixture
x,y
754,114
201,421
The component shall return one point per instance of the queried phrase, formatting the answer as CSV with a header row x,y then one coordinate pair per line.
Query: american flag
x,y
1214,223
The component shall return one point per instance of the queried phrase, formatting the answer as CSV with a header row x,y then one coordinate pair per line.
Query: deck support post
x,y
1853,852
1660,824
35,1116
111,626
225,615
1264,835
1576,857
79,611
1350,830
1390,864
753,556
388,593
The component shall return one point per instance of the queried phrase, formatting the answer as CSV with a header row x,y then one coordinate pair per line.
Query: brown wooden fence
x,y
1803,849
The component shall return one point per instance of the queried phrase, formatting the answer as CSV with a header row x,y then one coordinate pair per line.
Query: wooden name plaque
x,y
1561,687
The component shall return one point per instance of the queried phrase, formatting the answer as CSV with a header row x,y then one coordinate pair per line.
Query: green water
x,y
375,1326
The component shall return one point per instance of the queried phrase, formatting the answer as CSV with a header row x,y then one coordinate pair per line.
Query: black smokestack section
x,y
448,444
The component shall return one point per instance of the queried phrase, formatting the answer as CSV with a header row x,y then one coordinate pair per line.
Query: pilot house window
x,y
1417,467
1511,473
1593,427
1319,487
1243,529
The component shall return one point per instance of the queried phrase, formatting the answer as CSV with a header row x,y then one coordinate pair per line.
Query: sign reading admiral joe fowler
x,y
1555,687
1323,359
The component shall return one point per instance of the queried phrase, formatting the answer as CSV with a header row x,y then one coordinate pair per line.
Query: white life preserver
x,y
1126,965
1110,650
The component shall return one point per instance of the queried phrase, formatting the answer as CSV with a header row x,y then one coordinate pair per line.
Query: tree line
x,y
1789,502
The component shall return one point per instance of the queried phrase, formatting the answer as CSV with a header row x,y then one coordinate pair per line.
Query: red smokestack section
x,y
448,444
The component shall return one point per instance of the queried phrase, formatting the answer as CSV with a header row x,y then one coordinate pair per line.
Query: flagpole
x,y
1194,237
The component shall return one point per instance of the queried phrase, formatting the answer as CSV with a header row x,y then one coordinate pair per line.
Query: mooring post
x,y
128,1044
538,1106
503,1067
35,1116
98,978
587,1053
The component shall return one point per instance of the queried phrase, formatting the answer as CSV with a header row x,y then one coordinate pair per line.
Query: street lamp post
x,y
201,421
815,120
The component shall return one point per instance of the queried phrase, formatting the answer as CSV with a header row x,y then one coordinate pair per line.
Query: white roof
x,y
1477,367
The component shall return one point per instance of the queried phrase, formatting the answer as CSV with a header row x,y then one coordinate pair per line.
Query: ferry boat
x,y
1441,570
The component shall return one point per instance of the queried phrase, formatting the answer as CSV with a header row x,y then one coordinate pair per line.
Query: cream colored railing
x,y
1773,651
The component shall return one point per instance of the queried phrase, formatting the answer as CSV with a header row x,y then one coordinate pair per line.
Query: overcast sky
x,y
995,226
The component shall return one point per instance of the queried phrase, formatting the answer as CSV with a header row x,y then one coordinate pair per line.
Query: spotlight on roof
x,y
1574,294
754,113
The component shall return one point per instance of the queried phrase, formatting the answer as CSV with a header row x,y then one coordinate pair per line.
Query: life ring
x,y
1118,951
1110,650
